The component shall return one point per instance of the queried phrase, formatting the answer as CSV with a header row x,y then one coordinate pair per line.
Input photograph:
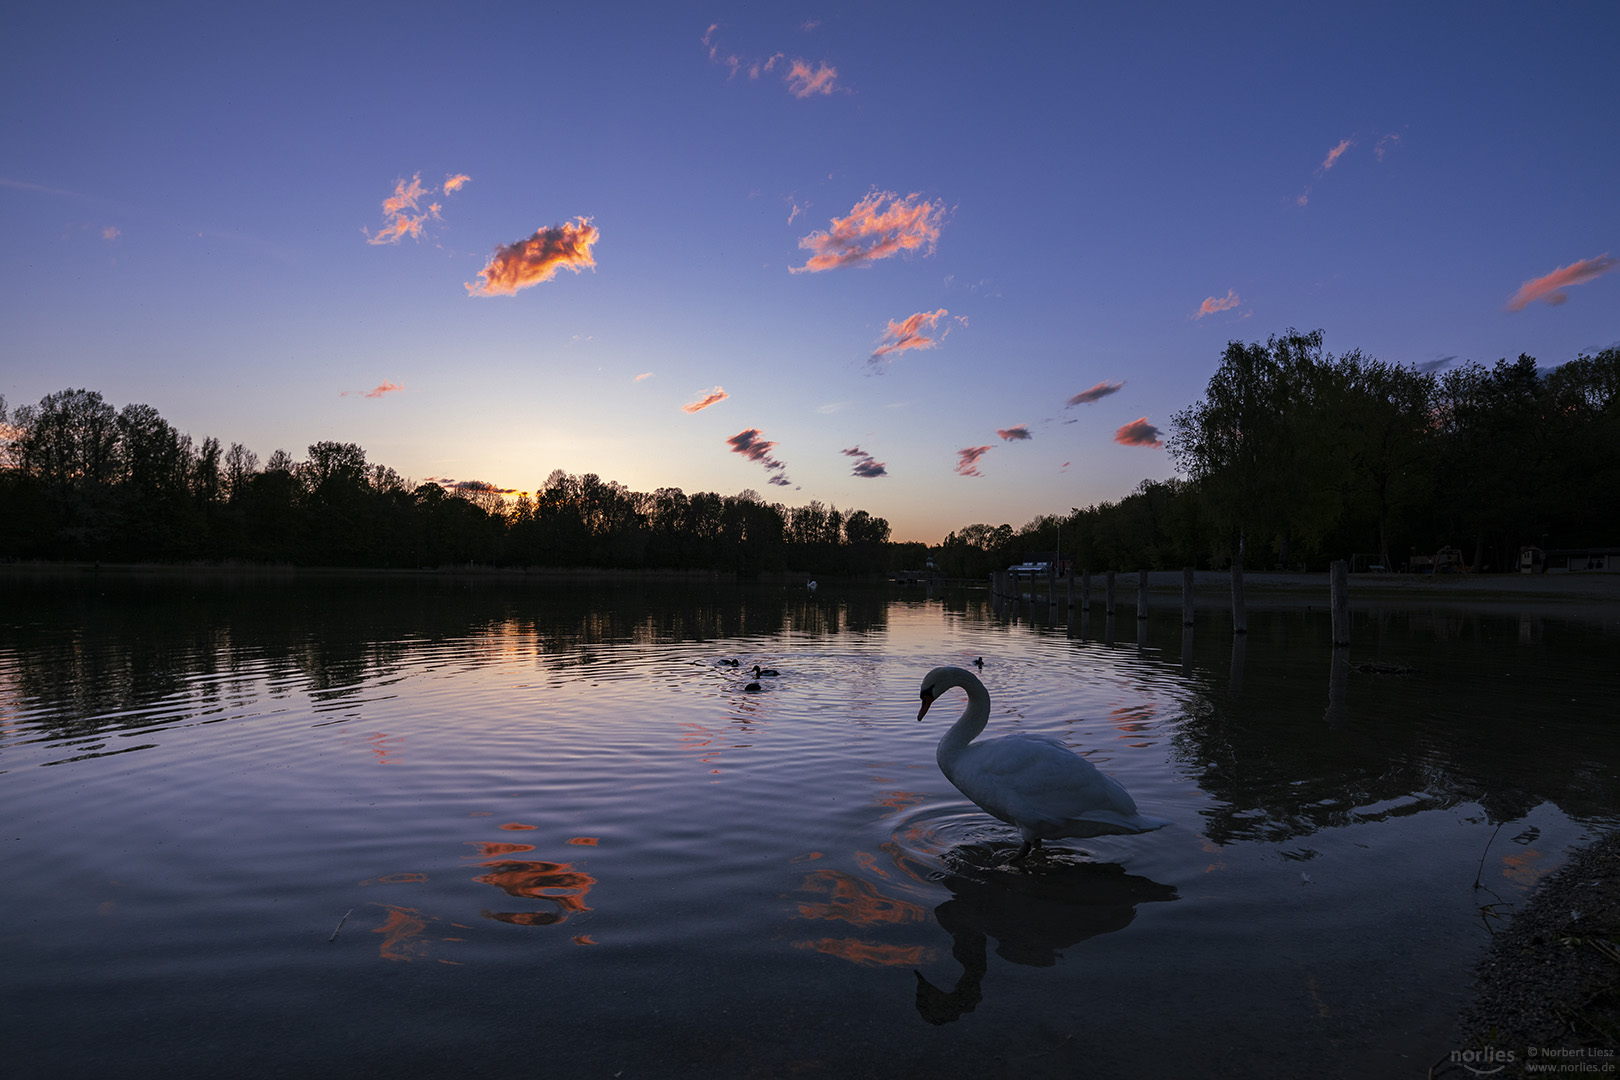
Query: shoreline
x,y
1547,990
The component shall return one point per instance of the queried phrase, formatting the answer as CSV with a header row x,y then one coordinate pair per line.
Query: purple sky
x,y
945,263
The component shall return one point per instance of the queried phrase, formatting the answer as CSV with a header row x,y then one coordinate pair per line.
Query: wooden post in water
x,y
1186,596
1141,594
1339,593
1085,590
1240,617
1071,589
1108,593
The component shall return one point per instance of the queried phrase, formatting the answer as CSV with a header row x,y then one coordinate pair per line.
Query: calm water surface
x,y
431,828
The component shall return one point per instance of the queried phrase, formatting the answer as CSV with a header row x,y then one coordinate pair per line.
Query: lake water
x,y
425,827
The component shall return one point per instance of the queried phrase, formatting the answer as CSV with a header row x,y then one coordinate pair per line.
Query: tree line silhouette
x,y
1292,457
81,480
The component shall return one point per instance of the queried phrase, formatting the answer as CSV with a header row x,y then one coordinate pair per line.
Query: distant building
x,y
1581,560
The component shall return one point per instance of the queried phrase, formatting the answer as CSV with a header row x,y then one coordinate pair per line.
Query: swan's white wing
x,y
1046,789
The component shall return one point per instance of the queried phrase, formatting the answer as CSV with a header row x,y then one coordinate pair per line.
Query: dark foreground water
x,y
430,828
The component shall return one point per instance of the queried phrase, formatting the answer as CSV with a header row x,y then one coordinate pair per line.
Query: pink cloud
x,y
111,232
403,213
803,83
1304,197
1017,431
967,460
1337,152
908,334
1095,393
1138,433
523,263
880,225
1550,289
643,375
713,397
1213,304
1386,144
750,445
865,464
385,388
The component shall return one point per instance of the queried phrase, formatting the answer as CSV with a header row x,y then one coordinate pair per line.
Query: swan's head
x,y
938,681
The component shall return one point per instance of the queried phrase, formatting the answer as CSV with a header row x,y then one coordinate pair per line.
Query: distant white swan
x,y
1031,782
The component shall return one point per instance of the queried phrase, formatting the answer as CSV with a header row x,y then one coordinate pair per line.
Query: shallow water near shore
x,y
436,827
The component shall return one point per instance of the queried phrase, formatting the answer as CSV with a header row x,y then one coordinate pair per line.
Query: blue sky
x,y
1013,206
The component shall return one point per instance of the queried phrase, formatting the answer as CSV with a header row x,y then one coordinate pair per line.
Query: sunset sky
x,y
946,263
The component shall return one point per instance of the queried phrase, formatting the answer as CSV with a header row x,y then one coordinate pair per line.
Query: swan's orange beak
x,y
927,700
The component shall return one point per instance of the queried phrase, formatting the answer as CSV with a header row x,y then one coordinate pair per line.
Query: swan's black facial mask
x,y
927,700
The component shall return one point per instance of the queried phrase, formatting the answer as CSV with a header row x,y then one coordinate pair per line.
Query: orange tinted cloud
x,y
1550,289
713,397
908,334
524,263
967,460
111,232
1386,144
385,388
1138,433
1212,304
1017,431
403,213
1337,152
803,83
1095,393
880,225
750,445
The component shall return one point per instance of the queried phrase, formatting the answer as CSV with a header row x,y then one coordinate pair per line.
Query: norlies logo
x,y
1483,1062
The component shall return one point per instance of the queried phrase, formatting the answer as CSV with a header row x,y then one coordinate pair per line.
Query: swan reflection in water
x,y
1032,917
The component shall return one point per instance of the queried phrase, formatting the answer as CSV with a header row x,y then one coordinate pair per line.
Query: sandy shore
x,y
1548,992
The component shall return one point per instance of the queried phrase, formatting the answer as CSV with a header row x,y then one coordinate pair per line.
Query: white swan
x,y
1029,781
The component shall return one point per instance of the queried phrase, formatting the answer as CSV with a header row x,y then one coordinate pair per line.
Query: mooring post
x,y
1071,589
1085,590
1141,594
1186,596
1108,593
1240,618
1339,592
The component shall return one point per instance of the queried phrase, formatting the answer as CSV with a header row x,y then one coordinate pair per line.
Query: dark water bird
x,y
751,688
1031,782
730,663
979,663
759,671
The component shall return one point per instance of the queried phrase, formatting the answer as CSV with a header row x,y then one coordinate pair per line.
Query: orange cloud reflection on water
x,y
489,849
856,901
556,883
1525,869
400,931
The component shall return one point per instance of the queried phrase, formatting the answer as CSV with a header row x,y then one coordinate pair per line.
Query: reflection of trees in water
x,y
1300,740
1032,914
92,652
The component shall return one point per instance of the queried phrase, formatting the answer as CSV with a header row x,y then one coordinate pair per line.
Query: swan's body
x,y
759,671
1031,782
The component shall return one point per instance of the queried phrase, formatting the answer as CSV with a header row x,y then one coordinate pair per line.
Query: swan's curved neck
x,y
970,723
